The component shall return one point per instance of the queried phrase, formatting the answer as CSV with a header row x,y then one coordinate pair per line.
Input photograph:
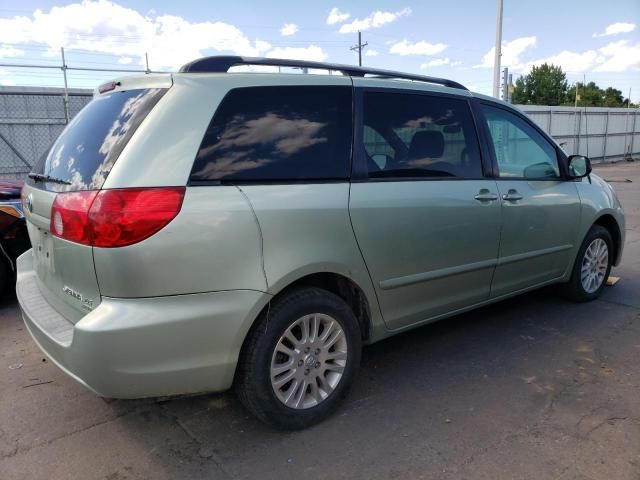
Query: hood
x,y
10,189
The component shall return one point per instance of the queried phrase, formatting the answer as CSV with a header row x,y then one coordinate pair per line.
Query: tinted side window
x,y
521,151
411,135
278,133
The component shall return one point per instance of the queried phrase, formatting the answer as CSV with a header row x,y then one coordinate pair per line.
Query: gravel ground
x,y
533,387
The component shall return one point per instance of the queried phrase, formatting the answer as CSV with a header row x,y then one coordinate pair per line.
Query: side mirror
x,y
579,166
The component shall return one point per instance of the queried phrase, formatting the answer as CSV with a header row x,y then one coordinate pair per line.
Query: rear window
x,y
89,146
278,133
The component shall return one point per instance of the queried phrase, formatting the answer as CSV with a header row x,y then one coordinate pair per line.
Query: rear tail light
x,y
114,218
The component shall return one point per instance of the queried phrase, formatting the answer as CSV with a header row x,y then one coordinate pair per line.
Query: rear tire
x,y
592,266
299,359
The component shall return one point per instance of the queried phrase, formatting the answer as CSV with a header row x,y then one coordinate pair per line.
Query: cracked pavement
x,y
533,387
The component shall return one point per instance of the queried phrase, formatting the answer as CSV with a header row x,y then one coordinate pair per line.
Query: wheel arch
x,y
609,222
337,283
342,286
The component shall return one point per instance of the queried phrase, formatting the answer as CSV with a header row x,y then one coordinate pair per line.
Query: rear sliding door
x,y
425,217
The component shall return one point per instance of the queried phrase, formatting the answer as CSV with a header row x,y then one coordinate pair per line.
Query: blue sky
x,y
449,39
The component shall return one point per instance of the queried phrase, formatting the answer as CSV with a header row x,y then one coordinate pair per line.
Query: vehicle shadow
x,y
457,382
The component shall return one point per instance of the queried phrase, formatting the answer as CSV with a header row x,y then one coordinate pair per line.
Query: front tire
x,y
299,359
592,266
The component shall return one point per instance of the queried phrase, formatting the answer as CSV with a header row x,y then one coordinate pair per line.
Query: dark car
x,y
14,239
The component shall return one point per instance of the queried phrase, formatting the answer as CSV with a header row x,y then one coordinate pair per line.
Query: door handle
x,y
486,196
512,195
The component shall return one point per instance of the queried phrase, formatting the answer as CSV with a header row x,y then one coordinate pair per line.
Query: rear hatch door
x,y
79,161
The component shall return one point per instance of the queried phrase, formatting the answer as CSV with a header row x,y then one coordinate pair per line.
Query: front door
x,y
540,209
425,218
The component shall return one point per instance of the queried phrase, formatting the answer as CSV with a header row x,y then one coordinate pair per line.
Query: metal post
x,y
66,87
578,115
498,52
550,121
633,132
505,84
626,128
575,117
606,132
146,61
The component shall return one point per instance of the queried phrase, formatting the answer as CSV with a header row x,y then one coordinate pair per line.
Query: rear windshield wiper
x,y
39,177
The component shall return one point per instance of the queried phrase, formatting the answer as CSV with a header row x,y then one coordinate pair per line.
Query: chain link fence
x,y
31,118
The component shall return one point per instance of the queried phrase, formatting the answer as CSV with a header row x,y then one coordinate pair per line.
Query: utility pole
x,y
359,47
146,61
498,53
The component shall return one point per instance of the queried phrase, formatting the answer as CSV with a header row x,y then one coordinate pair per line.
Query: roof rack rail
x,y
222,63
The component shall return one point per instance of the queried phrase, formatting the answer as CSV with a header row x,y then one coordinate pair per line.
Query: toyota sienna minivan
x,y
207,229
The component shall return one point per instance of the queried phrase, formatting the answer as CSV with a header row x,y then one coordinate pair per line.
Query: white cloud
x,y
106,27
419,48
614,57
616,28
438,62
262,46
7,51
125,60
288,29
511,52
312,52
371,53
619,56
336,16
5,82
457,63
571,62
375,20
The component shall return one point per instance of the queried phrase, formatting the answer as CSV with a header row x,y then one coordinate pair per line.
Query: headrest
x,y
426,144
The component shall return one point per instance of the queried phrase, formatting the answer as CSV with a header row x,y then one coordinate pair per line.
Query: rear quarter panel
x,y
306,229
212,245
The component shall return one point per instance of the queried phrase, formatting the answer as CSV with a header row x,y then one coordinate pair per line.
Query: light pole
x,y
498,53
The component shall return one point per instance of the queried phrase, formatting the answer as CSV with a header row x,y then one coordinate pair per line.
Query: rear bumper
x,y
143,347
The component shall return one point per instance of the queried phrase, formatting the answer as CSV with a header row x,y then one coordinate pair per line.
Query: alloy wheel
x,y
594,265
308,361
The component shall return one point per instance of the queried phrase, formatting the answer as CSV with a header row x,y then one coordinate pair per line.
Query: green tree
x,y
591,95
613,98
544,85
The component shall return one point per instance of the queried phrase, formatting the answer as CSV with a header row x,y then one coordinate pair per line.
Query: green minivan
x,y
209,228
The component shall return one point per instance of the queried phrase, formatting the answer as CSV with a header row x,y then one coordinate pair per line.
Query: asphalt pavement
x,y
530,388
